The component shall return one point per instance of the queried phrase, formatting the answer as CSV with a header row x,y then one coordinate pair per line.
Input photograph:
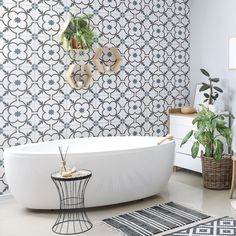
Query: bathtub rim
x,y
17,150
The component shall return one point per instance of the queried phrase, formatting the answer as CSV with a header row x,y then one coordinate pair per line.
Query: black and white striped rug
x,y
154,219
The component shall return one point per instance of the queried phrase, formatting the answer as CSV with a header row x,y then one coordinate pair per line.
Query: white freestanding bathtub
x,y
123,169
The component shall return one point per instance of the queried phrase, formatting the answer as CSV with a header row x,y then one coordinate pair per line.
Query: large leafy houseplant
x,y
79,33
210,127
213,90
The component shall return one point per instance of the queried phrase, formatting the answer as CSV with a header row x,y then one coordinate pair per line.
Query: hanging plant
x,y
79,33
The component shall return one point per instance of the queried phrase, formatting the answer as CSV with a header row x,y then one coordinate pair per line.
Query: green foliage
x,y
208,123
79,30
213,90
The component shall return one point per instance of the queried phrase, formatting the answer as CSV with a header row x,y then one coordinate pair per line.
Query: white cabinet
x,y
179,125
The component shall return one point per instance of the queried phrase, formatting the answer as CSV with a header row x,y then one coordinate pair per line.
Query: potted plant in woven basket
x,y
211,129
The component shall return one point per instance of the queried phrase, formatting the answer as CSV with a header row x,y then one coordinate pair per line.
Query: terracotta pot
x,y
217,174
75,44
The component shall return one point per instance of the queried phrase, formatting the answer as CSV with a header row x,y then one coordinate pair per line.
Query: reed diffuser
x,y
63,170
63,160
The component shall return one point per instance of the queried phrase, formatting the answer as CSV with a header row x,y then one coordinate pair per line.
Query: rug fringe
x,y
194,209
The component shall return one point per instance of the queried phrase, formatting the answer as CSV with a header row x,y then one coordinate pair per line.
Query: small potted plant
x,y
211,129
213,94
78,34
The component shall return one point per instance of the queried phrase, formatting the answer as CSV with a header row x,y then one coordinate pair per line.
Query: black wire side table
x,y
72,217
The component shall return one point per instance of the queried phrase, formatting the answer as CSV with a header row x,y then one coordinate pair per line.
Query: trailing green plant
x,y
210,127
79,34
213,90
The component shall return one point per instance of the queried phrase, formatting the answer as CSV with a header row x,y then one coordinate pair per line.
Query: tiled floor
x,y
184,187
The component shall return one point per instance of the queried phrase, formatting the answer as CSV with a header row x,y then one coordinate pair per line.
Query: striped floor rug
x,y
154,220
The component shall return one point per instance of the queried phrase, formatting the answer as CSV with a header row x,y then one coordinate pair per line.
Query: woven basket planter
x,y
217,174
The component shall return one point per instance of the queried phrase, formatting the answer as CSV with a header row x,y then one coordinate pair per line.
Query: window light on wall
x,y
232,53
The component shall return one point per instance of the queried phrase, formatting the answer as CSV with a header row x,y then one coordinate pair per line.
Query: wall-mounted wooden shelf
x,y
76,81
103,68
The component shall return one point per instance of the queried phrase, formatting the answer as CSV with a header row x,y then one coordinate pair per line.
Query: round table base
x,y
71,223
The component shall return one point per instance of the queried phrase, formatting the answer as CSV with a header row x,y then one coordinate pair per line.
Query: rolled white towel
x,y
167,137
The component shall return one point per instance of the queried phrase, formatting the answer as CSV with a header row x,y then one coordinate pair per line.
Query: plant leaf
x,y
218,149
230,115
186,138
84,41
73,22
206,95
195,149
199,118
204,87
205,138
216,96
205,72
226,133
200,131
220,123
218,89
214,80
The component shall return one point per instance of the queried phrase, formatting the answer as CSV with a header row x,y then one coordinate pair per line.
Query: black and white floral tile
x,y
36,104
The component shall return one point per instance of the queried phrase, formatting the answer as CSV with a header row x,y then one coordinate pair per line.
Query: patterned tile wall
x,y
36,104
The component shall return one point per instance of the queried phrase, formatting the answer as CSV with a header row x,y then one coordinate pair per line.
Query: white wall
x,y
212,22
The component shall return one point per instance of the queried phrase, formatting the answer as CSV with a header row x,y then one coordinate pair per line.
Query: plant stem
x,y
210,98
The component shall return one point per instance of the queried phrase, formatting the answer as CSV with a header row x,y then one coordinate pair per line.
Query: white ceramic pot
x,y
212,107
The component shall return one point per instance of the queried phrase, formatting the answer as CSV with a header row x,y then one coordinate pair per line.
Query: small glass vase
x,y
63,167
